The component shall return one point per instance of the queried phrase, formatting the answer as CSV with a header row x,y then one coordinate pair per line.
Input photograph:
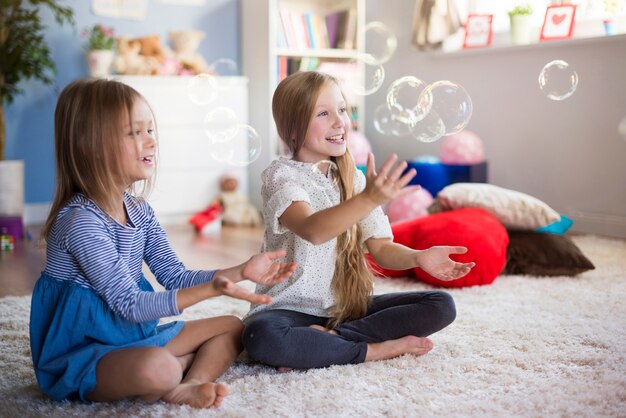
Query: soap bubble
x,y
621,128
451,103
380,42
202,89
387,123
246,145
321,180
243,148
405,99
220,124
369,75
224,66
557,80
430,129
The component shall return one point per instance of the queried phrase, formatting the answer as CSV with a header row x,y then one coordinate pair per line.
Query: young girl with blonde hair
x,y
94,329
323,211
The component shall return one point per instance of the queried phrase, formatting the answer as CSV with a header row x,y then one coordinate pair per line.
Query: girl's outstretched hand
x,y
436,262
264,269
387,184
227,288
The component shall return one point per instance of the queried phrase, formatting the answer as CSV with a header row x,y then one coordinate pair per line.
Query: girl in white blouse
x,y
323,211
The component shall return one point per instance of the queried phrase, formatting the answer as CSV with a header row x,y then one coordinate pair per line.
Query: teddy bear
x,y
151,47
185,44
128,59
237,210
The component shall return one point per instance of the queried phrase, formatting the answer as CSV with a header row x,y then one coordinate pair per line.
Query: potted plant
x,y
521,19
100,50
24,55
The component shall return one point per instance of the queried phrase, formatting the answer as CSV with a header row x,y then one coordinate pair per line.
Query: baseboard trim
x,y
598,223
36,213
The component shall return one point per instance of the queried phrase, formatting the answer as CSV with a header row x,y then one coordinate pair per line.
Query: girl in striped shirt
x,y
94,318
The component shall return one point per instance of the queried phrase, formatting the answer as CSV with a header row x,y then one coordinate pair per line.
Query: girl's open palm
x,y
264,269
436,262
261,268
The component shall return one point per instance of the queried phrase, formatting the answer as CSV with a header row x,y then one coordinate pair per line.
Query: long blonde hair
x,y
88,135
292,106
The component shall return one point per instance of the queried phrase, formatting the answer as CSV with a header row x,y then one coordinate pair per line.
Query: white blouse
x,y
308,290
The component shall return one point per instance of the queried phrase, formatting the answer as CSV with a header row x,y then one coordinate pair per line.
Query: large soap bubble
x,y
405,99
451,102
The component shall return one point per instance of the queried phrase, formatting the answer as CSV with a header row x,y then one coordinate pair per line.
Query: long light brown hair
x,y
88,139
292,106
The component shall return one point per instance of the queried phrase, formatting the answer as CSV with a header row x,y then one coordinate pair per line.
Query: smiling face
x,y
139,145
329,127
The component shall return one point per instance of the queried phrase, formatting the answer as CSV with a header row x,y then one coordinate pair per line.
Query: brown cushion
x,y
544,254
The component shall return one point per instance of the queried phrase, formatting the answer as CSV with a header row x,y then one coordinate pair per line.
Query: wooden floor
x,y
20,268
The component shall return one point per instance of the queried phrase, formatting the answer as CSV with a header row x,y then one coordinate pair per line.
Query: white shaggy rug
x,y
521,347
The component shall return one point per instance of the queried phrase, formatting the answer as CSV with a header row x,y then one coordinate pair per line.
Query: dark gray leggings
x,y
283,338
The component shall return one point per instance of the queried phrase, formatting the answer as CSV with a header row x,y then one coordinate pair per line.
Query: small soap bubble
x,y
380,42
202,89
246,146
621,128
326,174
558,80
220,124
387,123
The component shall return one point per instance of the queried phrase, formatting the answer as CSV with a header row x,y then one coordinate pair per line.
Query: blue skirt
x,y
72,328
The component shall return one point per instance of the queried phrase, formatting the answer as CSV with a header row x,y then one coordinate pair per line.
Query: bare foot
x,y
197,394
283,369
394,348
324,329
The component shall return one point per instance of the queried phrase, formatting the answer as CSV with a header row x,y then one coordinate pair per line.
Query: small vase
x,y
99,62
521,32
609,27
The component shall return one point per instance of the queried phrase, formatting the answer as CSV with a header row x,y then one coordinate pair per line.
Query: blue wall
x,y
30,118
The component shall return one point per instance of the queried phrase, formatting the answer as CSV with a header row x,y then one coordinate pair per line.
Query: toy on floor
x,y
237,208
208,221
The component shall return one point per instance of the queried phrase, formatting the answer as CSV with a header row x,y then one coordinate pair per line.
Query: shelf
x,y
318,53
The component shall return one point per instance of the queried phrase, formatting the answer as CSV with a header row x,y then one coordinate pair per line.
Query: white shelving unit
x,y
261,23
187,175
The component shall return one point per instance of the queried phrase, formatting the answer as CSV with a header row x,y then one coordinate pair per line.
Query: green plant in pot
x,y
521,24
24,55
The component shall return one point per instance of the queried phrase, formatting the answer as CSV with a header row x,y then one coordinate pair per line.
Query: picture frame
x,y
558,22
478,31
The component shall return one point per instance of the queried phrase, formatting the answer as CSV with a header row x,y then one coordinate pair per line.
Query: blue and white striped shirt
x,y
88,248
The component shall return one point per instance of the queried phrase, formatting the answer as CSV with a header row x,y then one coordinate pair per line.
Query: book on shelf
x,y
302,30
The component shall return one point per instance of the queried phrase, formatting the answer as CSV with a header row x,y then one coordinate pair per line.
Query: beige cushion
x,y
515,210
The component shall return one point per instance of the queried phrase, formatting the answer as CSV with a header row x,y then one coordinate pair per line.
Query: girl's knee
x,y
160,370
262,342
446,306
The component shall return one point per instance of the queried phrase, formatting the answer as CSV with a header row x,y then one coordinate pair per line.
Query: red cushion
x,y
484,236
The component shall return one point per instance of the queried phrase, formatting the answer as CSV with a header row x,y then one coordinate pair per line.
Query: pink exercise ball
x,y
464,147
410,206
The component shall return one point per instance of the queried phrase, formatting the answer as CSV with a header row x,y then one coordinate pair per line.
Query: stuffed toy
x,y
207,222
151,47
185,44
237,209
128,59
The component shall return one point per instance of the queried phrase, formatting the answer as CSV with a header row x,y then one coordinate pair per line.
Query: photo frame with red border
x,y
558,22
478,31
